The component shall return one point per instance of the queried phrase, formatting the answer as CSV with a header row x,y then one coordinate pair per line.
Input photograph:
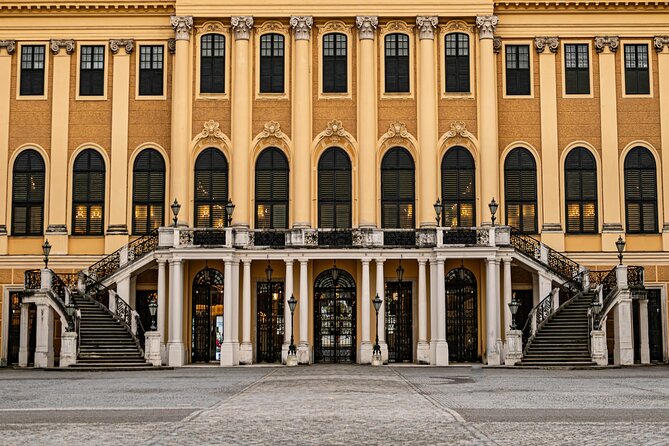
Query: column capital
x,y
182,26
366,26
422,261
602,42
57,44
380,260
304,261
426,26
660,43
116,44
246,261
301,25
159,261
365,260
10,46
486,25
289,261
241,25
540,44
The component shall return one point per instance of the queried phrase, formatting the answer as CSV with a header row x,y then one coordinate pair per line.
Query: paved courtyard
x,y
336,405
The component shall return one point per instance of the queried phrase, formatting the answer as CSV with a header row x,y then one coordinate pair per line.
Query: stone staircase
x,y
104,341
563,339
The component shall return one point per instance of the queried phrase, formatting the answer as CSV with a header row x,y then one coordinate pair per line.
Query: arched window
x,y
335,70
28,194
640,191
212,63
88,193
397,189
211,189
520,190
580,189
397,63
272,63
457,188
334,189
457,63
148,195
272,190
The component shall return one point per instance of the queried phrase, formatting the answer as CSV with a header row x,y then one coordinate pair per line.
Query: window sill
x,y
454,95
150,98
212,97
271,96
403,96
32,97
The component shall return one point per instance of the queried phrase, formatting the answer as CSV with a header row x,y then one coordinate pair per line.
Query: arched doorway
x,y
334,317
207,316
270,322
461,315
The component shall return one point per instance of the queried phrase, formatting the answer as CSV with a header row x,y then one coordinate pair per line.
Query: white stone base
x,y
68,349
163,353
423,353
176,354
229,354
500,349
152,348
291,360
514,347
433,352
365,353
384,351
284,353
246,353
599,352
441,353
377,360
304,354
493,358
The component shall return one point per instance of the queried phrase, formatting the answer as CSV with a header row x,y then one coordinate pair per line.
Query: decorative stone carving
x,y
486,25
540,43
660,42
601,42
272,129
426,26
302,26
272,135
334,26
397,26
58,44
9,45
172,45
497,44
241,25
211,27
211,134
456,25
398,135
182,26
334,131
116,44
458,128
397,129
366,26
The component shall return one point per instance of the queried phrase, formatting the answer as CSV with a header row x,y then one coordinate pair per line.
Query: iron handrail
x,y
136,249
556,262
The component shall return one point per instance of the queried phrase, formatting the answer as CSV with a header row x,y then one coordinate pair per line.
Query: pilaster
x,y
175,348
229,351
44,336
304,349
492,313
623,350
441,345
7,49
423,348
246,348
162,305
661,44
365,352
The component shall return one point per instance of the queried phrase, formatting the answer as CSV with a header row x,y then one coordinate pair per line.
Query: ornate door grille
x,y
206,334
399,322
334,318
461,316
270,321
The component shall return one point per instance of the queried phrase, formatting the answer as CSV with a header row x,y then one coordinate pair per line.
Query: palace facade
x,y
210,160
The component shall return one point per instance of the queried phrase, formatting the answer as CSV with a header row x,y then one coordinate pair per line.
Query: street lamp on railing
x,y
438,208
493,210
229,209
70,314
513,306
46,249
176,207
620,246
153,307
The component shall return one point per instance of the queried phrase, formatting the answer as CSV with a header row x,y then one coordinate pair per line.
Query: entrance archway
x,y
461,315
334,317
270,322
399,327
207,316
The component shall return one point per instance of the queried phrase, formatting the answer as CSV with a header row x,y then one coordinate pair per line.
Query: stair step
x,y
558,364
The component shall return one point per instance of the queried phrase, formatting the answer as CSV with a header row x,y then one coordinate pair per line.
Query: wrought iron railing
x,y
556,262
60,289
562,265
140,332
106,266
32,279
336,238
399,237
460,236
209,237
136,249
635,276
269,237
142,246
525,244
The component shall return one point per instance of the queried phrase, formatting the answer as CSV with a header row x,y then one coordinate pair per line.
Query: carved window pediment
x,y
212,27
334,26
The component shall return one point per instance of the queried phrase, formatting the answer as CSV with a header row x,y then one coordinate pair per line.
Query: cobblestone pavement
x,y
337,404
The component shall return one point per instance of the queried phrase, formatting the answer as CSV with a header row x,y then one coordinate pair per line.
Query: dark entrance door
x,y
334,317
143,297
461,315
526,298
207,319
270,321
14,332
655,324
399,326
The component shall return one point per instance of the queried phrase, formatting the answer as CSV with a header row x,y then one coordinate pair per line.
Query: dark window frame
x,y
277,163
212,63
151,70
526,188
155,181
341,184
577,68
397,167
272,70
464,170
335,63
92,70
208,169
580,164
397,63
457,63
518,76
637,68
35,169
33,69
88,162
646,197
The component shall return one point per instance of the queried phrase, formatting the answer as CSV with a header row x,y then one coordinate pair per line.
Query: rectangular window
x,y
576,69
636,69
32,70
518,70
335,74
457,63
212,64
397,63
271,63
151,70
92,70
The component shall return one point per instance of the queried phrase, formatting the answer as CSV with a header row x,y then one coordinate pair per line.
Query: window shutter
x,y
398,189
520,190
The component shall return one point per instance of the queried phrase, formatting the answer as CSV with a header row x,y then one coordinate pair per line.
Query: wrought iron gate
x,y
207,318
461,316
334,317
270,321
655,324
399,322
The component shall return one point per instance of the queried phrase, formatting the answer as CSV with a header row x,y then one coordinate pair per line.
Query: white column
x,y
365,351
228,355
433,311
507,295
623,351
423,348
498,313
246,349
303,349
162,302
492,298
286,310
23,336
123,288
235,309
441,350
381,292
643,331
175,347
44,337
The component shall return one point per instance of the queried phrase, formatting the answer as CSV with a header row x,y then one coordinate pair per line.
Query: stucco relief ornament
x,y
211,132
426,26
397,133
272,133
486,25
497,44
241,25
601,42
366,26
116,44
172,45
458,128
182,26
9,45
334,130
660,43
302,26
540,43
57,44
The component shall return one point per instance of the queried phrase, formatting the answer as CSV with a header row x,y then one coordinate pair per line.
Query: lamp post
x,y
493,210
291,304
229,210
46,249
377,306
620,246
176,207
70,315
153,307
513,306
438,207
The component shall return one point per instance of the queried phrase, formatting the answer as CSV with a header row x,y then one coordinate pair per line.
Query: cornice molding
x,y
602,42
154,7
540,44
9,45
426,26
241,26
486,25
366,26
116,44
57,44
302,26
578,4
